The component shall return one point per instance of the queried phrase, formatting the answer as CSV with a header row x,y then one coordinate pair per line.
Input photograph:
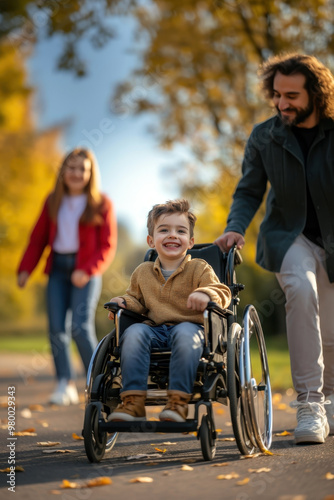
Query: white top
x,y
70,211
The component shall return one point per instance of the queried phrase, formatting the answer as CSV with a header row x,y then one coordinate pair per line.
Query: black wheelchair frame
x,y
233,370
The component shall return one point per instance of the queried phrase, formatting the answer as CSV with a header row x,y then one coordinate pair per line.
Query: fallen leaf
x,y
292,497
27,432
284,433
151,464
329,475
42,423
220,411
277,398
36,408
67,484
75,436
262,469
267,452
222,464
233,475
225,439
98,481
189,461
255,455
282,406
168,443
18,468
160,451
243,481
142,480
48,443
26,413
186,467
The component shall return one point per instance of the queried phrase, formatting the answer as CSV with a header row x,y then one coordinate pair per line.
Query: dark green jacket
x,y
273,154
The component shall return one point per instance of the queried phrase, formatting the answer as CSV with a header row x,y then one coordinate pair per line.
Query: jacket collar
x,y
283,135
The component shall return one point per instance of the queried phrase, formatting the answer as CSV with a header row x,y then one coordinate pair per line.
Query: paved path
x,y
292,473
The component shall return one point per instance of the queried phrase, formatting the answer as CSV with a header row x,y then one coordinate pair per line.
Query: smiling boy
x,y
172,292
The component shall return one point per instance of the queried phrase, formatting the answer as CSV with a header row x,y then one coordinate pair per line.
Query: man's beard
x,y
300,115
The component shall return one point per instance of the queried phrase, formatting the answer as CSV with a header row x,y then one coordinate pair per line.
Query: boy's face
x,y
171,237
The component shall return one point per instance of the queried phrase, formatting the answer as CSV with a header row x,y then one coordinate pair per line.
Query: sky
x,y
131,163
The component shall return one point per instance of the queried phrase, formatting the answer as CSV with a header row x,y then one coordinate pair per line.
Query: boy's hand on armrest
x,y
198,301
118,300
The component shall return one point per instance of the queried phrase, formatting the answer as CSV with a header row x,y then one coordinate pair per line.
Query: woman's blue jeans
x,y
185,341
63,297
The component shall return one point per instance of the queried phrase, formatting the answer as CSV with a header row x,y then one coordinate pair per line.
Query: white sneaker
x,y
65,394
312,425
329,407
72,393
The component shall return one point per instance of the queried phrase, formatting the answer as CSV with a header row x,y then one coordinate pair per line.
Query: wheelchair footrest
x,y
190,425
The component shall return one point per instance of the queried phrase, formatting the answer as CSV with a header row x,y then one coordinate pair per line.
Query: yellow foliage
x,y
27,175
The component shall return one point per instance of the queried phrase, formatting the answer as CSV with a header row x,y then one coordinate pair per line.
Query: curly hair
x,y
319,79
170,207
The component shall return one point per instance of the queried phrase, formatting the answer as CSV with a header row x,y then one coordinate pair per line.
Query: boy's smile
x,y
171,239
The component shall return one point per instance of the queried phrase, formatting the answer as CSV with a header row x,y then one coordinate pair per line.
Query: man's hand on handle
x,y
227,240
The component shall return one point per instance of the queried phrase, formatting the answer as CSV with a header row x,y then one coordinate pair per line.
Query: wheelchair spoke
x,y
234,383
257,389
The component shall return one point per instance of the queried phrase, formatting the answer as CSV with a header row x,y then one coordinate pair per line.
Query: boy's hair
x,y
319,80
170,207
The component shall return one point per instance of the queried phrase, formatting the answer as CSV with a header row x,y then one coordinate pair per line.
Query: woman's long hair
x,y
319,80
92,211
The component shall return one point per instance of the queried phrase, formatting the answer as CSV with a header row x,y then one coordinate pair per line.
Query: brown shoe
x,y
132,408
176,409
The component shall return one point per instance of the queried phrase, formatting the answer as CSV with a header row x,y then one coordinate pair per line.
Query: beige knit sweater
x,y
165,302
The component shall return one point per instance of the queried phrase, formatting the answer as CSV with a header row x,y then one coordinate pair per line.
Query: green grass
x,y
277,351
278,361
24,343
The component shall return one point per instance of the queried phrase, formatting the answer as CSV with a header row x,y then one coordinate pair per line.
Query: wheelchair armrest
x,y
213,307
114,307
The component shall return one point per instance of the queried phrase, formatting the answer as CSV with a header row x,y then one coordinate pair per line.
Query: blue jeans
x,y
62,297
185,341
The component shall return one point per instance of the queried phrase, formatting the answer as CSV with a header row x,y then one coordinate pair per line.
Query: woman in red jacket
x,y
78,223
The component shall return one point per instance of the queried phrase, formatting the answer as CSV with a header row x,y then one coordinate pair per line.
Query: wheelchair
x,y
233,371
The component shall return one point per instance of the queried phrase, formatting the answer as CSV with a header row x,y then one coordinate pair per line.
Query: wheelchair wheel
x,y
234,391
95,441
255,387
208,443
98,366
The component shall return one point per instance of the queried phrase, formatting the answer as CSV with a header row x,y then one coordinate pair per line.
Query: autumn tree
x,y
198,76
28,168
198,80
